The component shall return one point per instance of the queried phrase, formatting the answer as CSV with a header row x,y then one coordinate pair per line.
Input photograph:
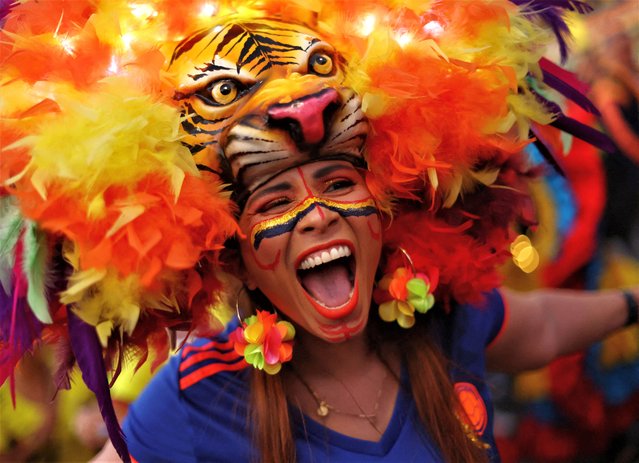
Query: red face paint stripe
x,y
376,235
309,193
263,266
342,331
342,328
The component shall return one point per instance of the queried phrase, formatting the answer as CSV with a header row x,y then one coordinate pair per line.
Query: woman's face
x,y
312,244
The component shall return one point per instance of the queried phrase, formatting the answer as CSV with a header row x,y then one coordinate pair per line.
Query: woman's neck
x,y
355,385
341,359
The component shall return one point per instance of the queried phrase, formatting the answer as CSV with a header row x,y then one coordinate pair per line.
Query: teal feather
x,y
34,265
11,223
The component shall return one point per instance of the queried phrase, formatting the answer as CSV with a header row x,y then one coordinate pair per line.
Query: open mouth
x,y
328,276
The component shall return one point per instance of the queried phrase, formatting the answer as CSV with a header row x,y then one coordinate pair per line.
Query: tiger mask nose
x,y
305,119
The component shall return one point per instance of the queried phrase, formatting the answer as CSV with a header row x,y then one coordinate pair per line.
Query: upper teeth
x,y
325,256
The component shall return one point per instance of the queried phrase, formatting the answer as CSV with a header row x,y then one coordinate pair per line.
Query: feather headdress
x,y
109,227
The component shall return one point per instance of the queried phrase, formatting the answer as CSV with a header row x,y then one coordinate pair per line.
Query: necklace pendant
x,y
322,409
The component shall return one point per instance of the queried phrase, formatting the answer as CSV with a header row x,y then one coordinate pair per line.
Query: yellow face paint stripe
x,y
286,222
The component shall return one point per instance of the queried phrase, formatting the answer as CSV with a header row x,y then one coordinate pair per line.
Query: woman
x,y
380,388
402,165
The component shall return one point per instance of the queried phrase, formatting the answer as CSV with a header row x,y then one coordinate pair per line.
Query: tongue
x,y
329,284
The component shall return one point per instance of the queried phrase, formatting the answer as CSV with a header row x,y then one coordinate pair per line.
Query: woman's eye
x,y
273,206
339,185
321,64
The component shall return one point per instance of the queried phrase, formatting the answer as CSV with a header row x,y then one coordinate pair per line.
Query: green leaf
x,y
10,227
254,356
422,304
417,287
34,264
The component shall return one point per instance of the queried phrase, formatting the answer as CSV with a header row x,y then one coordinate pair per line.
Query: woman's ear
x,y
234,264
247,279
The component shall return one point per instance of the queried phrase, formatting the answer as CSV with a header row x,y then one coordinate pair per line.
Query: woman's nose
x,y
318,220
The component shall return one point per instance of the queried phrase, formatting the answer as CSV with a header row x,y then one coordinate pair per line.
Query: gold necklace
x,y
324,408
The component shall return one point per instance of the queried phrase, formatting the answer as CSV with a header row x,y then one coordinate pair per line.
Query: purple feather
x,y
584,132
551,13
567,84
65,360
576,128
546,153
5,8
88,353
19,329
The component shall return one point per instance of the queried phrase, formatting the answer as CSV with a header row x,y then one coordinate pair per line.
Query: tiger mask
x,y
262,96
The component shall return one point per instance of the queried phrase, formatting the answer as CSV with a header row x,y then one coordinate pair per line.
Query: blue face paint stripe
x,y
280,229
347,210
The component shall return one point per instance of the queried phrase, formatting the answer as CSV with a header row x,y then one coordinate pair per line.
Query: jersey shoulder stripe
x,y
206,358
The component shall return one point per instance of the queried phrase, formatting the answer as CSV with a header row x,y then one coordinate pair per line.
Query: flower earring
x,y
264,341
404,292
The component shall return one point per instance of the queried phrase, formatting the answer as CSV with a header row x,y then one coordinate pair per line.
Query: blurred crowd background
x,y
580,409
585,408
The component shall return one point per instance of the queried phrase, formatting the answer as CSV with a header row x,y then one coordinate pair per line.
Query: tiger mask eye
x,y
221,92
321,64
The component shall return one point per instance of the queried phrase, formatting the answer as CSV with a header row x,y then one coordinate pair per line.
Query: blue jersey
x,y
195,409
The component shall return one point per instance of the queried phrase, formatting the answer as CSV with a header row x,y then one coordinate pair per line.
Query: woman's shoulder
x,y
202,391
473,324
213,359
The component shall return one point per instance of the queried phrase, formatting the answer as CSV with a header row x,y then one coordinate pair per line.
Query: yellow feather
x,y
127,214
111,303
432,177
454,190
109,298
486,177
112,136
97,207
177,179
104,330
79,282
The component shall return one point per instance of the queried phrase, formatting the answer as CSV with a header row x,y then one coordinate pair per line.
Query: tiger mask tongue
x,y
305,117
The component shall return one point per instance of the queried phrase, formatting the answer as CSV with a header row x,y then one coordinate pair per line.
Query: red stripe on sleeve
x,y
211,354
210,370
209,345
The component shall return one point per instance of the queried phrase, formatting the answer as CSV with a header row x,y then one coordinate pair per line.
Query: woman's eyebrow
x,y
324,171
282,186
